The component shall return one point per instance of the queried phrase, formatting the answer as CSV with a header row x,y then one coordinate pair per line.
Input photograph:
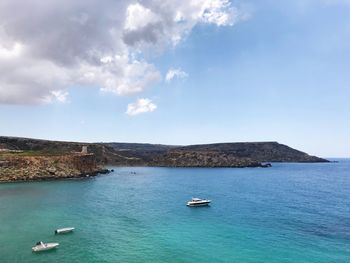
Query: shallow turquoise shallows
x,y
287,213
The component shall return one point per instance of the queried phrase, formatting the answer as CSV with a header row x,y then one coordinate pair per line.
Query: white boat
x,y
198,202
40,246
64,230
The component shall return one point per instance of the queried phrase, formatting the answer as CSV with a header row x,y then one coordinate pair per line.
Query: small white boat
x,y
64,230
198,202
41,246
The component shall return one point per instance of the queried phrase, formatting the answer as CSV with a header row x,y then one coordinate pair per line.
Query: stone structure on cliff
x,y
84,149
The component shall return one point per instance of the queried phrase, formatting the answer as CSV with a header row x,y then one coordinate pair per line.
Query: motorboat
x,y
41,246
198,202
64,230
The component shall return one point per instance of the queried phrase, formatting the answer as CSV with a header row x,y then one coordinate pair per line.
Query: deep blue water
x,y
287,213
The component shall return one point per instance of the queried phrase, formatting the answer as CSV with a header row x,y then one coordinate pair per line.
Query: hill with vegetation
x,y
245,154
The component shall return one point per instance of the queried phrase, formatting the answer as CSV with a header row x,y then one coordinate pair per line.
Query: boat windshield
x,y
39,243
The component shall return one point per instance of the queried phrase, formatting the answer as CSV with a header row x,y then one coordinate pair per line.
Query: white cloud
x,y
219,12
162,22
59,95
175,73
61,43
140,106
106,59
14,51
138,16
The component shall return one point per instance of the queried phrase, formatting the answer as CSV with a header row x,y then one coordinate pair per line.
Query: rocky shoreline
x,y
16,167
49,178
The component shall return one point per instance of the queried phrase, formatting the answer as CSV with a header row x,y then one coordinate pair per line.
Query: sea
x,y
288,213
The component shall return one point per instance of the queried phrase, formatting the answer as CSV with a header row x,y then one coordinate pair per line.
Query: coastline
x,y
25,159
68,177
39,167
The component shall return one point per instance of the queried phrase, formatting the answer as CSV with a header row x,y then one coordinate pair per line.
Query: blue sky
x,y
280,74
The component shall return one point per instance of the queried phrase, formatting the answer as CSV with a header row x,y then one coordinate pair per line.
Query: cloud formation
x,y
62,43
175,73
140,106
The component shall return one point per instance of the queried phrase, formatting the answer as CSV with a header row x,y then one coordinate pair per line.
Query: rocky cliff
x,y
202,159
17,166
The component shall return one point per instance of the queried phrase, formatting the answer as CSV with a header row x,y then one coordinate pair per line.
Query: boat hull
x,y
198,204
64,230
47,247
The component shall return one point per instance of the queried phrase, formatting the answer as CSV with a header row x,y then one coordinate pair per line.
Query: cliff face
x,y
202,159
17,167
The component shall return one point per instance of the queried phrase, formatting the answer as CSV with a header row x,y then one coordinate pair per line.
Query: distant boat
x,y
198,202
64,230
41,246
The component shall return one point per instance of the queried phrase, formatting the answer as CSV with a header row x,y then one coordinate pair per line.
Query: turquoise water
x,y
287,213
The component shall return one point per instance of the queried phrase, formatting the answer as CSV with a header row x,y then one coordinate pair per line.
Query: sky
x,y
178,72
